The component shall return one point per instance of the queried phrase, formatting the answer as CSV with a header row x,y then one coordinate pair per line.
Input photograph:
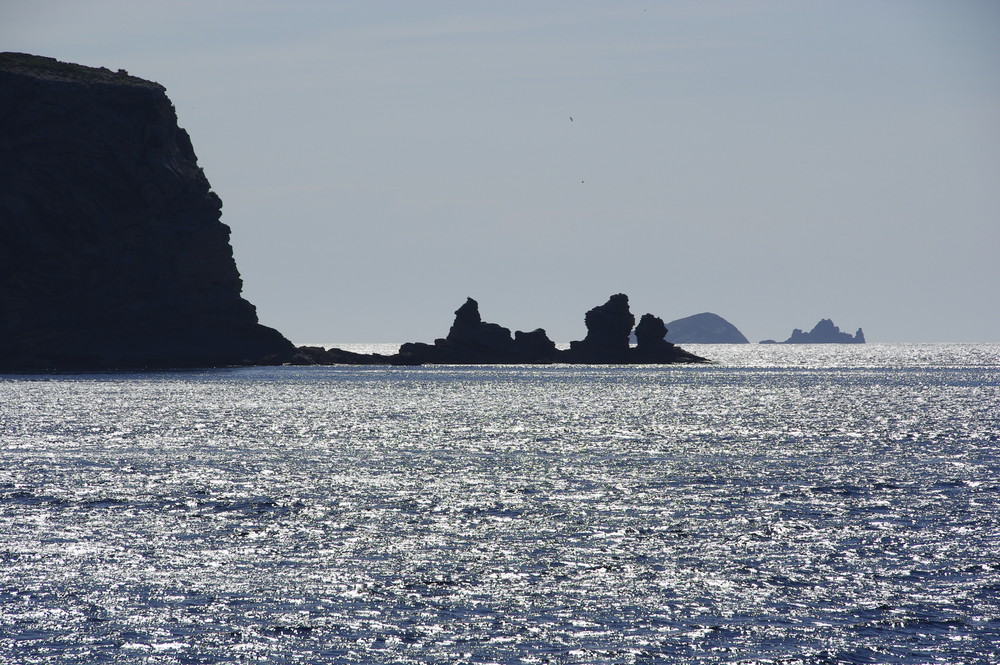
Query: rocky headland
x,y
823,332
113,254
472,341
112,250
705,328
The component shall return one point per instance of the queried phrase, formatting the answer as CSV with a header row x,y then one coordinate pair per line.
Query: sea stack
x,y
112,249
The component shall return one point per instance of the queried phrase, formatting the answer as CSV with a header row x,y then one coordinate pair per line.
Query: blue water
x,y
814,504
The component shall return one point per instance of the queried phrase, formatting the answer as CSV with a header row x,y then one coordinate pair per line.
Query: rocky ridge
x,y
474,341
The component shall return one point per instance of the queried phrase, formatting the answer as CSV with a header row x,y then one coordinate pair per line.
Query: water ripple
x,y
842,511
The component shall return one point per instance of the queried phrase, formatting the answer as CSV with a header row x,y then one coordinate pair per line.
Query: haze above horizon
x,y
775,163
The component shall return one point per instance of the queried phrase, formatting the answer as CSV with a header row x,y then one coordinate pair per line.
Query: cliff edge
x,y
112,251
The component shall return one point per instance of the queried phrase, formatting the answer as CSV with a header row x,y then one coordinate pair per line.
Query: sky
x,y
774,162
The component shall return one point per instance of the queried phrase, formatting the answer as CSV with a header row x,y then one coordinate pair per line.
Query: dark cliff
x,y
112,252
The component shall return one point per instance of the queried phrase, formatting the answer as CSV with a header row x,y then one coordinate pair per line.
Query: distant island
x,y
823,332
704,328
474,341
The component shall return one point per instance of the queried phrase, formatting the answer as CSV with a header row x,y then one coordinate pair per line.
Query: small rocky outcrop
x,y
535,346
608,329
317,355
651,344
472,341
471,335
651,333
112,252
704,328
824,332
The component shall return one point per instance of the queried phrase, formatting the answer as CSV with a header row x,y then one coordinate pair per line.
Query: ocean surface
x,y
788,504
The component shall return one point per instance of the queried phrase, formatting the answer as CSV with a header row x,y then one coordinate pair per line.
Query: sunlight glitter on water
x,y
712,514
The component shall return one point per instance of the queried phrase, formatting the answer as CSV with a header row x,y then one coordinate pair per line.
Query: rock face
x,y
823,332
112,252
471,341
608,329
650,333
704,328
650,342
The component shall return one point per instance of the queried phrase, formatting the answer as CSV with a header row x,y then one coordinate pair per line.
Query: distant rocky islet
x,y
704,328
824,332
709,328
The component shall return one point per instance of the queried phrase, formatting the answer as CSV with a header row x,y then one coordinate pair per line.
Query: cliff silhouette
x,y
112,251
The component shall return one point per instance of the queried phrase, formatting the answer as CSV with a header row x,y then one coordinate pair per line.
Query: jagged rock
x,y
112,252
535,346
608,329
651,333
704,328
473,341
651,345
823,332
470,334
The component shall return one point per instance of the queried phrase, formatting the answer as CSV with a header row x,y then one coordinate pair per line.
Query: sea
x,y
809,504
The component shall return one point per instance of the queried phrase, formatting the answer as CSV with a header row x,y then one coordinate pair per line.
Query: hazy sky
x,y
772,162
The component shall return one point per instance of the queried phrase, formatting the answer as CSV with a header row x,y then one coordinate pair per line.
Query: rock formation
x,y
471,341
608,329
704,328
651,344
474,341
112,252
823,332
651,333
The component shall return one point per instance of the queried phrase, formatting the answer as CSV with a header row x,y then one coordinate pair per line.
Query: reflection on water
x,y
769,508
